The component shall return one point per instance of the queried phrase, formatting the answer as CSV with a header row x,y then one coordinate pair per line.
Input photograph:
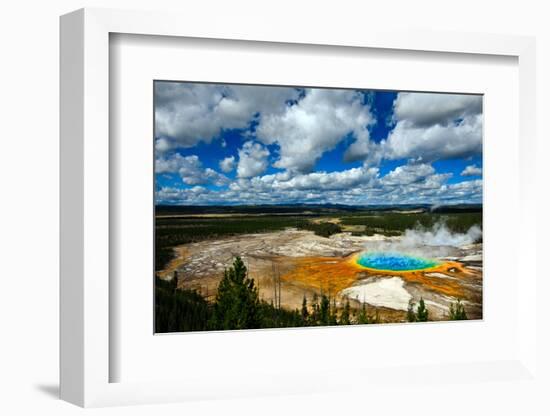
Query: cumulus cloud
x,y
186,113
314,125
322,181
309,184
190,170
431,127
467,190
410,183
176,161
162,146
407,174
252,160
269,190
363,149
436,142
425,110
426,127
306,123
216,178
192,196
299,126
471,170
227,164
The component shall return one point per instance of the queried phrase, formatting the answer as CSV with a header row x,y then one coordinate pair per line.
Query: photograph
x,y
299,206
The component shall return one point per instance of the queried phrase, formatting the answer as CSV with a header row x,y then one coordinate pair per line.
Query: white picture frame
x,y
85,354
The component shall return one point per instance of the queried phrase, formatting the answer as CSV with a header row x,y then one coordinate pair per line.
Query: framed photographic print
x,y
296,207
308,206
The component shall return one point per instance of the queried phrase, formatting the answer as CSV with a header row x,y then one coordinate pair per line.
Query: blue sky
x,y
236,144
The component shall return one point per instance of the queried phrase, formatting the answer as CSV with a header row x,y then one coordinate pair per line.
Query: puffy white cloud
x,y
457,140
307,123
270,189
471,170
304,124
227,164
252,160
174,162
285,183
314,125
211,176
363,149
190,170
430,127
162,146
463,190
409,183
323,181
425,109
407,174
192,196
434,181
427,127
186,113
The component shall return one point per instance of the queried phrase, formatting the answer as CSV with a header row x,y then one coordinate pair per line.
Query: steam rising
x,y
440,235
437,241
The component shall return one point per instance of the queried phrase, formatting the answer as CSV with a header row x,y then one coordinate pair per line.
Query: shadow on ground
x,y
51,390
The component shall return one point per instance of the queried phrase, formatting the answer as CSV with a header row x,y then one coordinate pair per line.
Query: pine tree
x,y
332,318
304,312
314,317
345,316
174,281
422,312
363,317
411,316
237,304
324,311
179,310
457,312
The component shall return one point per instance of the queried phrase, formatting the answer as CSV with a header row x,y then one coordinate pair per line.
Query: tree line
x,y
421,313
391,224
323,229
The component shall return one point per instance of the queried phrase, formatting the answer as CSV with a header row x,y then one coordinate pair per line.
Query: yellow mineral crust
x,y
333,274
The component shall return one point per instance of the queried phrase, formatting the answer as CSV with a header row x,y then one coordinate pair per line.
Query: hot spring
x,y
393,261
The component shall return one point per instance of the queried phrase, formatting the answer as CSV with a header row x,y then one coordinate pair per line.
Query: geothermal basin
x,y
379,271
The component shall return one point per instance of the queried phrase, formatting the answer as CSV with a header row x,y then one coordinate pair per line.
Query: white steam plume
x,y
440,235
437,241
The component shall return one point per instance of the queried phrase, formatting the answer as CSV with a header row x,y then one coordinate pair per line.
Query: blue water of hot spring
x,y
394,261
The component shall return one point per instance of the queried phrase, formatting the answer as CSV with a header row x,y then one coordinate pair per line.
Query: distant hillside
x,y
313,208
